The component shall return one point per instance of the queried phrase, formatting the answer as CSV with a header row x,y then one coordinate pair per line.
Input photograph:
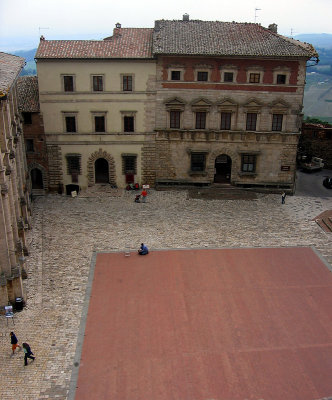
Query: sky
x,y
23,21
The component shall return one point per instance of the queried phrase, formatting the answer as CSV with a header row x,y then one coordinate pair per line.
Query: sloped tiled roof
x,y
28,94
217,38
10,68
129,43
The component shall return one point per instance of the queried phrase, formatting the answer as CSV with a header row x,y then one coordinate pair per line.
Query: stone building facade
x,y
14,183
209,102
97,100
34,137
229,103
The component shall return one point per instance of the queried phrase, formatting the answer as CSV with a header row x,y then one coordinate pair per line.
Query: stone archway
x,y
101,154
226,154
39,176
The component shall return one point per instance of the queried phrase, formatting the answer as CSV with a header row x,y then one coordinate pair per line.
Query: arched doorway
x,y
101,171
223,169
36,178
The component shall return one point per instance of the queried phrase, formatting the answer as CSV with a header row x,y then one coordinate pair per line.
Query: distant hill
x,y
322,40
29,55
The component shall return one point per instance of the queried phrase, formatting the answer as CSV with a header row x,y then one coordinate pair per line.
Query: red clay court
x,y
229,324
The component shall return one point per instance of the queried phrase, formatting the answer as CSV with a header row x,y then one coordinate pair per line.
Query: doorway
x,y
223,169
101,171
37,179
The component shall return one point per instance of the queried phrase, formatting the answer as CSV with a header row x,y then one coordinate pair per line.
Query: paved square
x,y
208,324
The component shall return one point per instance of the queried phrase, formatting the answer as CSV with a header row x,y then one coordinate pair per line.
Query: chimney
x,y
42,37
185,17
117,29
273,28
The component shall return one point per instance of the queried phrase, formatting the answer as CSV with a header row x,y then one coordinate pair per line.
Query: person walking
x,y
283,198
14,341
144,194
27,353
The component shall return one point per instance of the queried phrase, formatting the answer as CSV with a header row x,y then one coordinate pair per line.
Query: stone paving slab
x,y
66,232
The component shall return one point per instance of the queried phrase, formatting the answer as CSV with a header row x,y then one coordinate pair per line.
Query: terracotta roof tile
x,y
10,68
217,38
129,43
28,94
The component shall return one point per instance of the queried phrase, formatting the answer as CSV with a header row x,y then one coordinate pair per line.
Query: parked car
x,y
316,164
327,182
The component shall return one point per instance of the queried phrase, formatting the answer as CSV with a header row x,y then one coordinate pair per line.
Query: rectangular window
x,y
281,79
73,164
202,76
248,163
68,83
200,120
277,122
176,75
127,83
198,162
99,124
129,164
251,122
228,76
97,83
254,78
29,146
27,117
174,119
128,124
226,120
70,124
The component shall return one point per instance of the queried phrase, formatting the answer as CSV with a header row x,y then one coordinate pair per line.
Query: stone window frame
x,y
66,114
248,153
174,104
93,122
254,108
230,69
276,123
128,114
227,105
247,122
174,68
92,76
63,83
206,108
202,152
134,156
202,68
128,74
74,158
279,107
255,70
281,70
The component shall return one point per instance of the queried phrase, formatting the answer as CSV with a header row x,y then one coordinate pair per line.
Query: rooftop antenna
x,y
40,28
292,32
256,9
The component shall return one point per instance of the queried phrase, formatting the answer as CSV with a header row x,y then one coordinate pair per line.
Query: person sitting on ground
x,y
137,198
143,250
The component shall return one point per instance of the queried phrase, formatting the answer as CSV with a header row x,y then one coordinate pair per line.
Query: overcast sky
x,y
22,21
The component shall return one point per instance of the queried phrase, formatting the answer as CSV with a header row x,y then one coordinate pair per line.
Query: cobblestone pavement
x,y
67,230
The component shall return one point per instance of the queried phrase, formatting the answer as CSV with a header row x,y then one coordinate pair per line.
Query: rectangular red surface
x,y
209,324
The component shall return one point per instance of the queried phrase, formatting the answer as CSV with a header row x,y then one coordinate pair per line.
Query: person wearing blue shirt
x,y
143,250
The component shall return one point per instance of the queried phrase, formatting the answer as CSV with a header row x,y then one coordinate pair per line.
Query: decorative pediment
x,y
227,102
175,103
253,103
279,103
201,103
